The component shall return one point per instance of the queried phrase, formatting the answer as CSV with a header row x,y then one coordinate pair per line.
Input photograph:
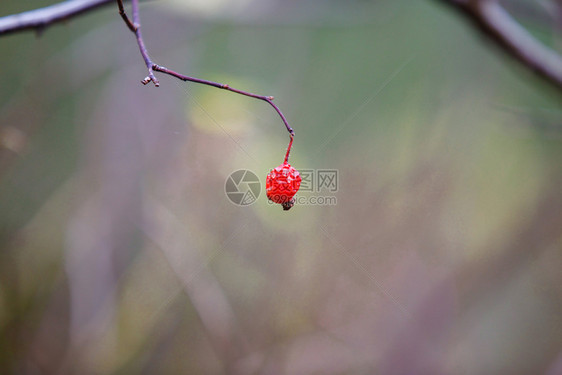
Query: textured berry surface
x,y
282,183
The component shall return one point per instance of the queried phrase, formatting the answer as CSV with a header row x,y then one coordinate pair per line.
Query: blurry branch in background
x,y
494,21
39,19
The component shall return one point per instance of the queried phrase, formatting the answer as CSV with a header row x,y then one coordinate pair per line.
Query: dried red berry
x,y
281,185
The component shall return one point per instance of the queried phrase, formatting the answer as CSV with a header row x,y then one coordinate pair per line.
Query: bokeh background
x,y
121,254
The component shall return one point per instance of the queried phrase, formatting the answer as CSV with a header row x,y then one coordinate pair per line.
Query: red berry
x,y
281,185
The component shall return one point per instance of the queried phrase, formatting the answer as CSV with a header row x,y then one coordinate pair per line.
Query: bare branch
x,y
39,19
268,99
136,29
492,19
124,16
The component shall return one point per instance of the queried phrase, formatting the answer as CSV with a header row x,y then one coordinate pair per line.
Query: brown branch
x,y
39,19
493,20
124,16
268,99
135,27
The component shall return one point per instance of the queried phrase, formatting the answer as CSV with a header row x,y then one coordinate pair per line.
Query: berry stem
x,y
289,149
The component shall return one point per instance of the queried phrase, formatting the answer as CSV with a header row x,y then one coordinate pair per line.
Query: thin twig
x,y
136,29
268,99
492,19
39,19
124,16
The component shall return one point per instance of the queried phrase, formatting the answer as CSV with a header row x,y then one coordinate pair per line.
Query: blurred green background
x,y
120,252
